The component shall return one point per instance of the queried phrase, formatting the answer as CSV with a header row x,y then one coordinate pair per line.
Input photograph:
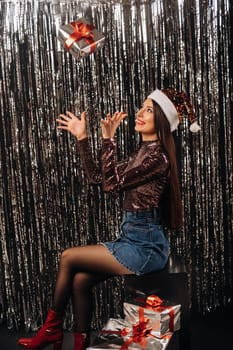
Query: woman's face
x,y
145,121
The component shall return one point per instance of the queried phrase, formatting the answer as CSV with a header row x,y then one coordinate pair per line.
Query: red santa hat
x,y
175,105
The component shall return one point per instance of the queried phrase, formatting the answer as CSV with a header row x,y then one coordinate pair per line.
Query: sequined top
x,y
143,176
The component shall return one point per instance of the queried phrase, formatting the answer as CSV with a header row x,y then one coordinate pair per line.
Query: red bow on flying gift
x,y
81,31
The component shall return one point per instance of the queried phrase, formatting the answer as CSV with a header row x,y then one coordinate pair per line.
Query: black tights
x,y
80,269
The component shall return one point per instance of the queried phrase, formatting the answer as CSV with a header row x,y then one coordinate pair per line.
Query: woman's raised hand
x,y
73,124
111,123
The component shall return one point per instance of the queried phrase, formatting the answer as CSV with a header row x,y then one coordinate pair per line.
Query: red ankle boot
x,y
79,341
50,333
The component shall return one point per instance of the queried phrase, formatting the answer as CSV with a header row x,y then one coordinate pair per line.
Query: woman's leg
x,y
90,265
95,263
82,302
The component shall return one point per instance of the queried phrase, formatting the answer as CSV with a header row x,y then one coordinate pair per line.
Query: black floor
x,y
214,331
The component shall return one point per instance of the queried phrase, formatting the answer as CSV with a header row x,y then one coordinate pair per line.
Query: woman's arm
x,y
92,171
78,128
149,163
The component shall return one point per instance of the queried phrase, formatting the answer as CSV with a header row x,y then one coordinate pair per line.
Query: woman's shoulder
x,y
153,147
153,150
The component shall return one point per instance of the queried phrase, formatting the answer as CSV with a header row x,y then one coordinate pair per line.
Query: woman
x,y
150,182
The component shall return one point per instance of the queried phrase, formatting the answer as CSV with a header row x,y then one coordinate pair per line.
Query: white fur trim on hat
x,y
167,107
194,127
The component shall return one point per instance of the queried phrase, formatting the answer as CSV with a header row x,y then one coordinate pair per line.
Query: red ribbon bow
x,y
154,300
81,31
140,331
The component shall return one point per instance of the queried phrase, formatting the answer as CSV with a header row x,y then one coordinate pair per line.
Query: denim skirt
x,y
141,245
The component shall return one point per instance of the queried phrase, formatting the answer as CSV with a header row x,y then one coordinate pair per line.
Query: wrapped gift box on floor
x,y
80,38
147,343
104,346
118,334
162,318
150,345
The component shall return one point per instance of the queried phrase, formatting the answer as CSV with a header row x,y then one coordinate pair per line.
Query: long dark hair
x,y
170,203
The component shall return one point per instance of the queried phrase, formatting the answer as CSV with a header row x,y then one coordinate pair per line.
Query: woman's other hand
x,y
111,123
76,126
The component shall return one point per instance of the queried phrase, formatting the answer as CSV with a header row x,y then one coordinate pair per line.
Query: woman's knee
x,y
81,282
65,257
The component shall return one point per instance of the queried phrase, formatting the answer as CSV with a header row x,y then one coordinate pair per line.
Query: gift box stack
x,y
149,323
80,38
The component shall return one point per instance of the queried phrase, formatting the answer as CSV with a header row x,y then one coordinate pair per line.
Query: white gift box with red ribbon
x,y
161,318
119,334
80,38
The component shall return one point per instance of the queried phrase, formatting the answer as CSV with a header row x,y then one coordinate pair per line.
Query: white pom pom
x,y
194,127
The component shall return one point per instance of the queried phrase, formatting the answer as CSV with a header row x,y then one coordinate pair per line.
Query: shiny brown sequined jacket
x,y
143,176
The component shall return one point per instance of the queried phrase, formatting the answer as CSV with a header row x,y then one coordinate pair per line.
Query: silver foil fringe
x,y
46,204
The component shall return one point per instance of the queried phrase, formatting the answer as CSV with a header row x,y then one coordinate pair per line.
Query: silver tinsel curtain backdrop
x,y
46,203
